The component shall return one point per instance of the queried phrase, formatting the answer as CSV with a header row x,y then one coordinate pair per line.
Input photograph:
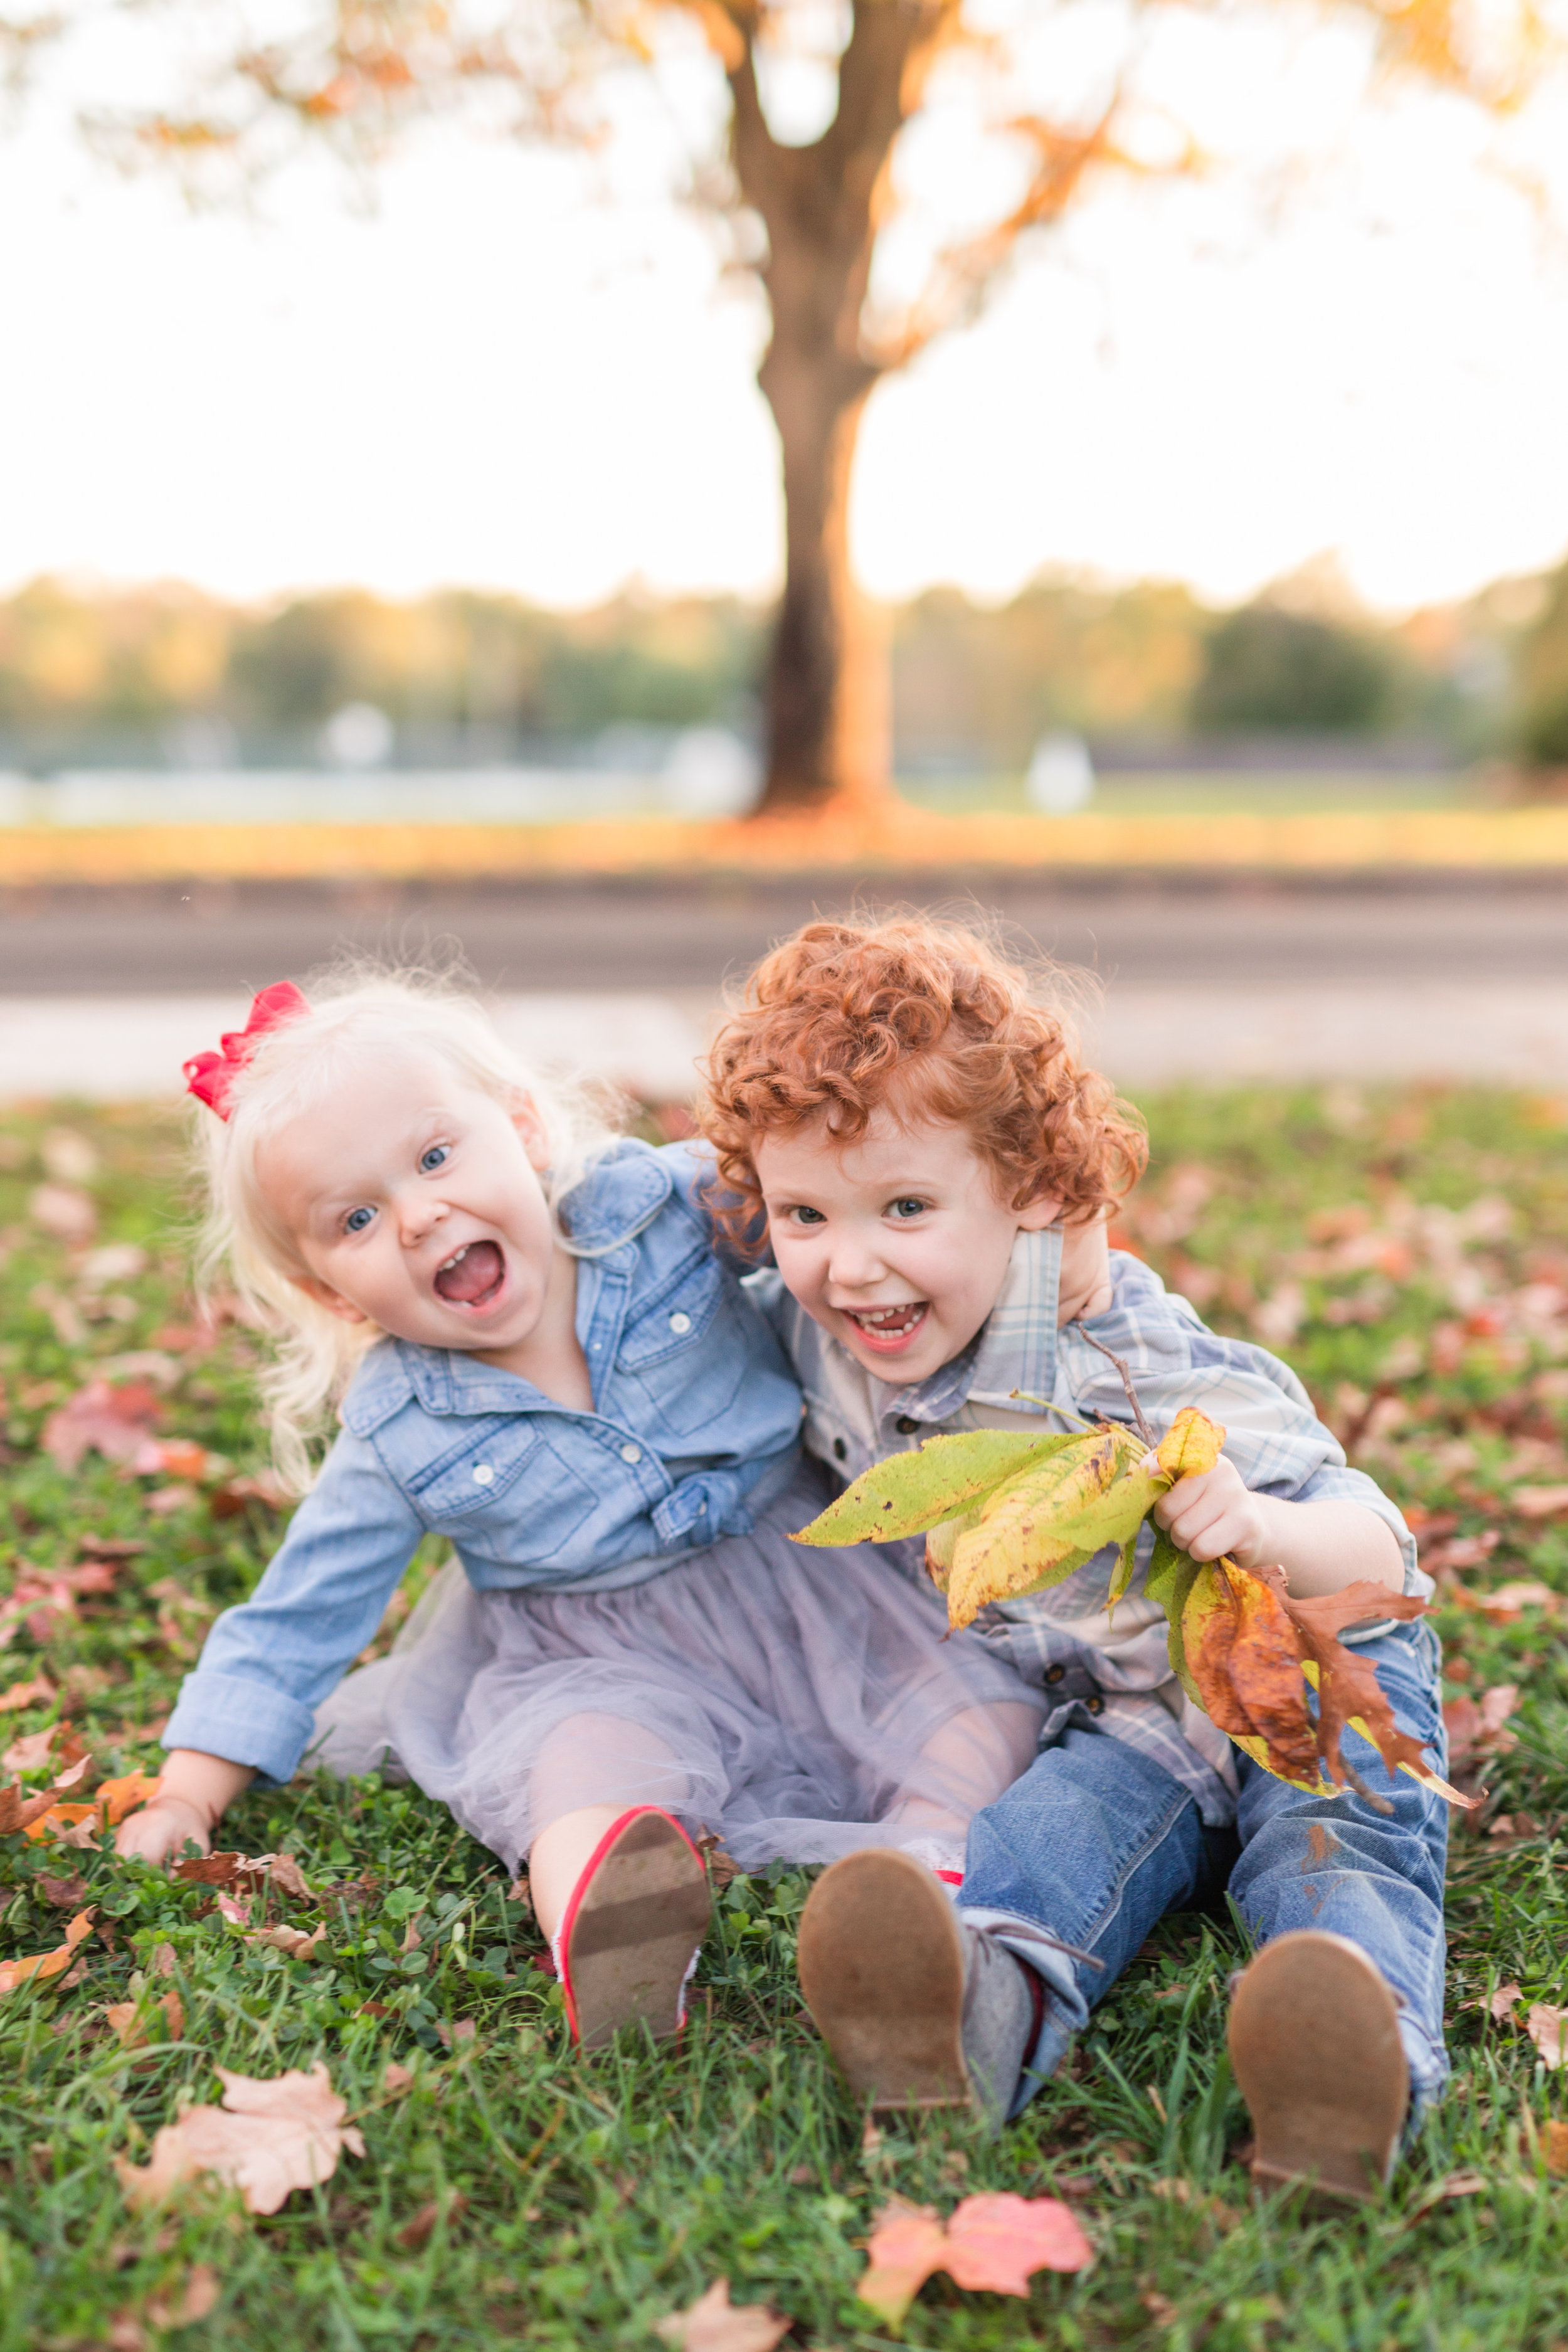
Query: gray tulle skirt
x,y
800,1702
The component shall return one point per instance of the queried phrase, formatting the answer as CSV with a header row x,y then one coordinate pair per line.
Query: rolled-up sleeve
x,y
269,1662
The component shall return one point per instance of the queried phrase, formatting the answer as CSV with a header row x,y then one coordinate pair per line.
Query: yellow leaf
x,y
911,1492
1191,1445
1038,1527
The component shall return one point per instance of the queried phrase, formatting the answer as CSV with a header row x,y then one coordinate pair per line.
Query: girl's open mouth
x,y
889,1329
472,1276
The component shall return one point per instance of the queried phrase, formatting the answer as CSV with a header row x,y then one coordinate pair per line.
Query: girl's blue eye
x,y
810,1217
434,1157
357,1220
905,1209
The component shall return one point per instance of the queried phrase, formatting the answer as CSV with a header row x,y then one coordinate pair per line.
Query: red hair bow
x,y
210,1077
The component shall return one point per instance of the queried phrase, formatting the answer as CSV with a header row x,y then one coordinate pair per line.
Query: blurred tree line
x,y
168,671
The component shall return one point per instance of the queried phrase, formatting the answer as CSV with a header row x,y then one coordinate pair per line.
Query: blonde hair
x,y
293,1068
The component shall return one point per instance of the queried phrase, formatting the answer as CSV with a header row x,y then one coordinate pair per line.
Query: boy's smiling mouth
x,y
472,1277
889,1329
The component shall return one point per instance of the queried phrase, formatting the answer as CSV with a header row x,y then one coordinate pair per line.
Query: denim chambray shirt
x,y
696,1424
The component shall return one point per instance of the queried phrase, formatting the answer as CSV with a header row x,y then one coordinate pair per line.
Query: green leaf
x,y
936,1481
1172,1573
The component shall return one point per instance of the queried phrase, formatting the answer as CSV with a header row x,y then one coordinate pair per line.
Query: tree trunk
x,y
829,733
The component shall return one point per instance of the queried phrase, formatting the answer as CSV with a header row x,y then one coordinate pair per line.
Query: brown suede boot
x,y
1314,2040
918,2010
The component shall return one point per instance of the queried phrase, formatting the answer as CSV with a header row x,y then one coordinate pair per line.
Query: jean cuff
x,y
1063,2011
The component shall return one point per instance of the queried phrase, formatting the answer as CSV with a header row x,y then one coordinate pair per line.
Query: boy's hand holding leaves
x,y
1006,1513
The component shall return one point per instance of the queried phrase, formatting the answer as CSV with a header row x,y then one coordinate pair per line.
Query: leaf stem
x,y
1144,1432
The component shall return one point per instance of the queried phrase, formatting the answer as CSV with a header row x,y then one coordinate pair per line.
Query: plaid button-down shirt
x,y
1108,1673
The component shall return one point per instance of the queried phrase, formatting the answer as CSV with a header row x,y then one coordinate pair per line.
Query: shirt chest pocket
x,y
505,1494
680,1354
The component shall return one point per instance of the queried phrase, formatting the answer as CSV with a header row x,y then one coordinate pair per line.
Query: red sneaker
x,y
632,1929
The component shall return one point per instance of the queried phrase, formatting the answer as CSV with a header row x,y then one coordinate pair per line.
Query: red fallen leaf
x,y
714,2324
113,1421
992,2243
46,1964
267,2138
1475,1731
236,1495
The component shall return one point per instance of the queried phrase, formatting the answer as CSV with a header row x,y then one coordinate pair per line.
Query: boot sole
x,y
633,1929
882,1971
1314,2040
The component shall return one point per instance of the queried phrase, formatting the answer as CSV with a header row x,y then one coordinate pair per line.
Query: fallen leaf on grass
x,y
1503,2002
1540,1502
197,2301
1551,2139
66,1215
1477,1730
46,1964
1548,2029
294,1941
395,2080
416,2232
18,1810
714,2324
993,2243
237,1495
114,1421
1457,2184
248,1871
129,2019
267,2138
39,1692
65,1893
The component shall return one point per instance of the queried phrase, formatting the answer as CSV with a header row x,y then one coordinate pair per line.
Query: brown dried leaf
x,y
297,1945
395,2081
198,2301
714,2324
416,2232
1548,2029
1245,1660
267,2138
1347,1681
39,1692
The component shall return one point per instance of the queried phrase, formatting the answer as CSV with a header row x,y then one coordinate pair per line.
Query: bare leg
x,y
968,1763
580,1754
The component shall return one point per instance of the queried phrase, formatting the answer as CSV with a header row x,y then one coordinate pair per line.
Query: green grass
x,y
599,2196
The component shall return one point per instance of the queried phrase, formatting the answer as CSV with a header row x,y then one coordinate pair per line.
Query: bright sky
x,y
498,380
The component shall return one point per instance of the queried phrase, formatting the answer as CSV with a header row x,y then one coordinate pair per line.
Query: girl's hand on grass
x,y
197,1790
162,1829
1215,1514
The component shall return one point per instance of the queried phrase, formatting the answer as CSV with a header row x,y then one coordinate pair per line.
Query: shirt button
x,y
483,1475
906,1425
1095,1705
840,1451
680,1324
1055,1674
631,1454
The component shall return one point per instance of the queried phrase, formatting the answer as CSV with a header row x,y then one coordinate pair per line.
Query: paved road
x,y
623,936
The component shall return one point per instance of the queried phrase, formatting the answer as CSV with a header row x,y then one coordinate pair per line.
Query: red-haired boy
x,y
936,1167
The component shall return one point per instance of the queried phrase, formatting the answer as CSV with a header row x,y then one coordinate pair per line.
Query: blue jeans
x,y
1097,1843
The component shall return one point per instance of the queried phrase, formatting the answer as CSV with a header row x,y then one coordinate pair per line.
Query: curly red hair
x,y
844,1016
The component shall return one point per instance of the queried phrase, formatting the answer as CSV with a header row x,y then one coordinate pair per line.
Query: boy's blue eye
x,y
810,1217
434,1157
357,1220
909,1209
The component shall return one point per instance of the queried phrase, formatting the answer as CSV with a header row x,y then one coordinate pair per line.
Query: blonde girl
x,y
536,1352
